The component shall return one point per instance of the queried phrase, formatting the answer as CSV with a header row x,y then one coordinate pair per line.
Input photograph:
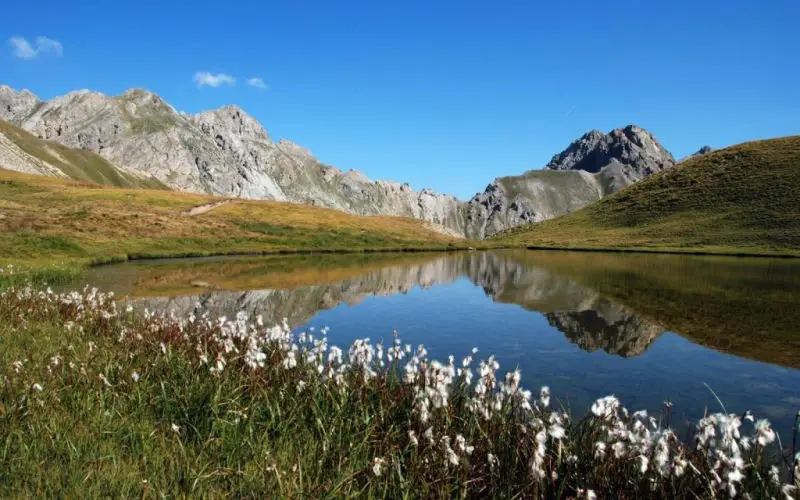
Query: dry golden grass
x,y
44,219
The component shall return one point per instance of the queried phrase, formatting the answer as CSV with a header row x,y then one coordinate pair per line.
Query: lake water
x,y
647,328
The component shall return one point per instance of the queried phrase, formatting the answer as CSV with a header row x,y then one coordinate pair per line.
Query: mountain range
x,y
139,139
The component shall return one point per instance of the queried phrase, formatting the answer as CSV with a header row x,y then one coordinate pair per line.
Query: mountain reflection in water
x,y
616,303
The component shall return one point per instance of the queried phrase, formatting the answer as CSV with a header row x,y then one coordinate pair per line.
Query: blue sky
x,y
442,94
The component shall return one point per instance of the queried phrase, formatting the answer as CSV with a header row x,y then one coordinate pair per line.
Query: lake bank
x,y
251,408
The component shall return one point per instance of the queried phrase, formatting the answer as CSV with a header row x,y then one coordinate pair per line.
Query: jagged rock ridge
x,y
226,152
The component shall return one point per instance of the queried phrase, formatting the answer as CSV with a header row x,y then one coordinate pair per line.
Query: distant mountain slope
x,y
226,152
23,152
591,167
220,152
742,198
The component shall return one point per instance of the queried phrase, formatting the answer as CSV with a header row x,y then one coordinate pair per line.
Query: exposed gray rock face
x,y
226,152
704,150
634,148
591,167
700,152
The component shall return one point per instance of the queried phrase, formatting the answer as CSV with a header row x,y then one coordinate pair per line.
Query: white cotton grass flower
x,y
643,463
492,460
36,387
544,396
135,376
599,449
764,433
412,437
587,494
377,466
176,428
775,475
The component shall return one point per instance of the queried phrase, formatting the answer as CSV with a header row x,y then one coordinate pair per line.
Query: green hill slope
x,y
24,152
742,199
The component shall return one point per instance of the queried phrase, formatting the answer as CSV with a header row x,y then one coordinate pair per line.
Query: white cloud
x,y
256,82
203,78
22,48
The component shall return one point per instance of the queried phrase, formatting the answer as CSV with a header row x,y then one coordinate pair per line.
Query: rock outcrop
x,y
228,153
591,167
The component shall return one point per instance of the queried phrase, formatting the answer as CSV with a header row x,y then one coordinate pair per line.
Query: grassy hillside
x,y
43,219
76,164
742,199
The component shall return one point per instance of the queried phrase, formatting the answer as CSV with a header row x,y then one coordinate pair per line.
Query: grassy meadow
x,y
46,222
97,401
738,200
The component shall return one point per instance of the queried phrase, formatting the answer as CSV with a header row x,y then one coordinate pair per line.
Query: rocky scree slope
x,y
228,153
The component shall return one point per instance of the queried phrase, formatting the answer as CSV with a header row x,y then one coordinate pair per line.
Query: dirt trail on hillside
x,y
201,209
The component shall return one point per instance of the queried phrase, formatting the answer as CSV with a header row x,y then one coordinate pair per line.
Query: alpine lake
x,y
695,331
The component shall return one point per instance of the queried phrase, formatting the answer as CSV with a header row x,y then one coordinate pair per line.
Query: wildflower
x,y
599,449
775,475
300,386
17,366
735,476
461,445
556,432
764,433
135,376
679,467
451,456
176,428
36,387
544,396
377,465
605,407
644,461
413,438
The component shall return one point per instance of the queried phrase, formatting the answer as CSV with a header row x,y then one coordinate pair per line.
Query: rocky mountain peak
x,y
632,146
233,120
15,106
